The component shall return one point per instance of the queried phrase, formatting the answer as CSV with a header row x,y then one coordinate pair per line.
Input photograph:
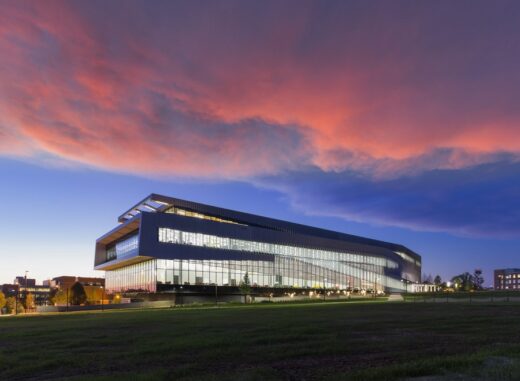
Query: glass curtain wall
x,y
282,272
299,266
123,247
137,277
291,267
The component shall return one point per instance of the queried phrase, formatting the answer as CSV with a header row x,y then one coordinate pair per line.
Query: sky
x,y
393,120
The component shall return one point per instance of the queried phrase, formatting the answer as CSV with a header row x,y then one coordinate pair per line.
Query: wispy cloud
x,y
369,95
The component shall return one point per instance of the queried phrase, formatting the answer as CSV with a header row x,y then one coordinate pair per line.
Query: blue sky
x,y
54,215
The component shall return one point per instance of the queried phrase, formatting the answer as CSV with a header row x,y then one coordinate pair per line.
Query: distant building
x,y
9,290
507,279
23,281
423,287
66,281
22,286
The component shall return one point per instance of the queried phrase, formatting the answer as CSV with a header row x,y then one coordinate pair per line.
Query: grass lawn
x,y
336,341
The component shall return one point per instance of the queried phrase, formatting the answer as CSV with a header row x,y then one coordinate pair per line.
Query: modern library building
x,y
164,244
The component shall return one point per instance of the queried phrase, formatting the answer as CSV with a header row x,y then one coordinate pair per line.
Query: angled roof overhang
x,y
152,203
159,203
120,231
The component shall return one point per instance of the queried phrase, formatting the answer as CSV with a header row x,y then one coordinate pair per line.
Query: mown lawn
x,y
335,341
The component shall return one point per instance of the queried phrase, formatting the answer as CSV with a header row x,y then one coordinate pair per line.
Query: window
x,y
293,266
123,247
188,213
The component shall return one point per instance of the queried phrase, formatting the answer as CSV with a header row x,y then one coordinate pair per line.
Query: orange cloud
x,y
240,90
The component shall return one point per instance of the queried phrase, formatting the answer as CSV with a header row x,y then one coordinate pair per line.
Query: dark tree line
x,y
469,282
462,282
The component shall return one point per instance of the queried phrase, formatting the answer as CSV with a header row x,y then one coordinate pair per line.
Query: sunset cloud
x,y
243,91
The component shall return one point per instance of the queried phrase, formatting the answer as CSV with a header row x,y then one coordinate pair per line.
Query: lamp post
x,y
405,281
102,297
25,298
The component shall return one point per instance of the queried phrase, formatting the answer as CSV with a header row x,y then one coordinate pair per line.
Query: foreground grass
x,y
336,341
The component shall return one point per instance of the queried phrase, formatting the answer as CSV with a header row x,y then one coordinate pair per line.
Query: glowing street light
x,y
102,297
405,281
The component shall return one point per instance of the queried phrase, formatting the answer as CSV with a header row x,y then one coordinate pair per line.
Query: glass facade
x,y
137,277
121,248
408,258
189,213
291,266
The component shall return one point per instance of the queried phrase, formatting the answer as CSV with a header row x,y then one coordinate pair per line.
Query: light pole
x,y
405,281
324,287
102,297
25,298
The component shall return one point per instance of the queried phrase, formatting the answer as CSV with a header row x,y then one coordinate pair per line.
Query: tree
x,y
77,294
2,301
59,297
427,278
464,282
245,286
478,279
52,295
12,304
438,280
29,301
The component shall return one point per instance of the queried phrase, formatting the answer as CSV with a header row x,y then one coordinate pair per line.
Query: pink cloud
x,y
236,91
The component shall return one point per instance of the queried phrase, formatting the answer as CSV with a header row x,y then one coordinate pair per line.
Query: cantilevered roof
x,y
120,231
160,203
152,203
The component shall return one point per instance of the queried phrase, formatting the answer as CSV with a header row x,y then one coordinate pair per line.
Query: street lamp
x,y
102,296
405,281
16,296
26,271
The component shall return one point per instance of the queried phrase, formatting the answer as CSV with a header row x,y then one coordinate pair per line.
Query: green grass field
x,y
335,341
